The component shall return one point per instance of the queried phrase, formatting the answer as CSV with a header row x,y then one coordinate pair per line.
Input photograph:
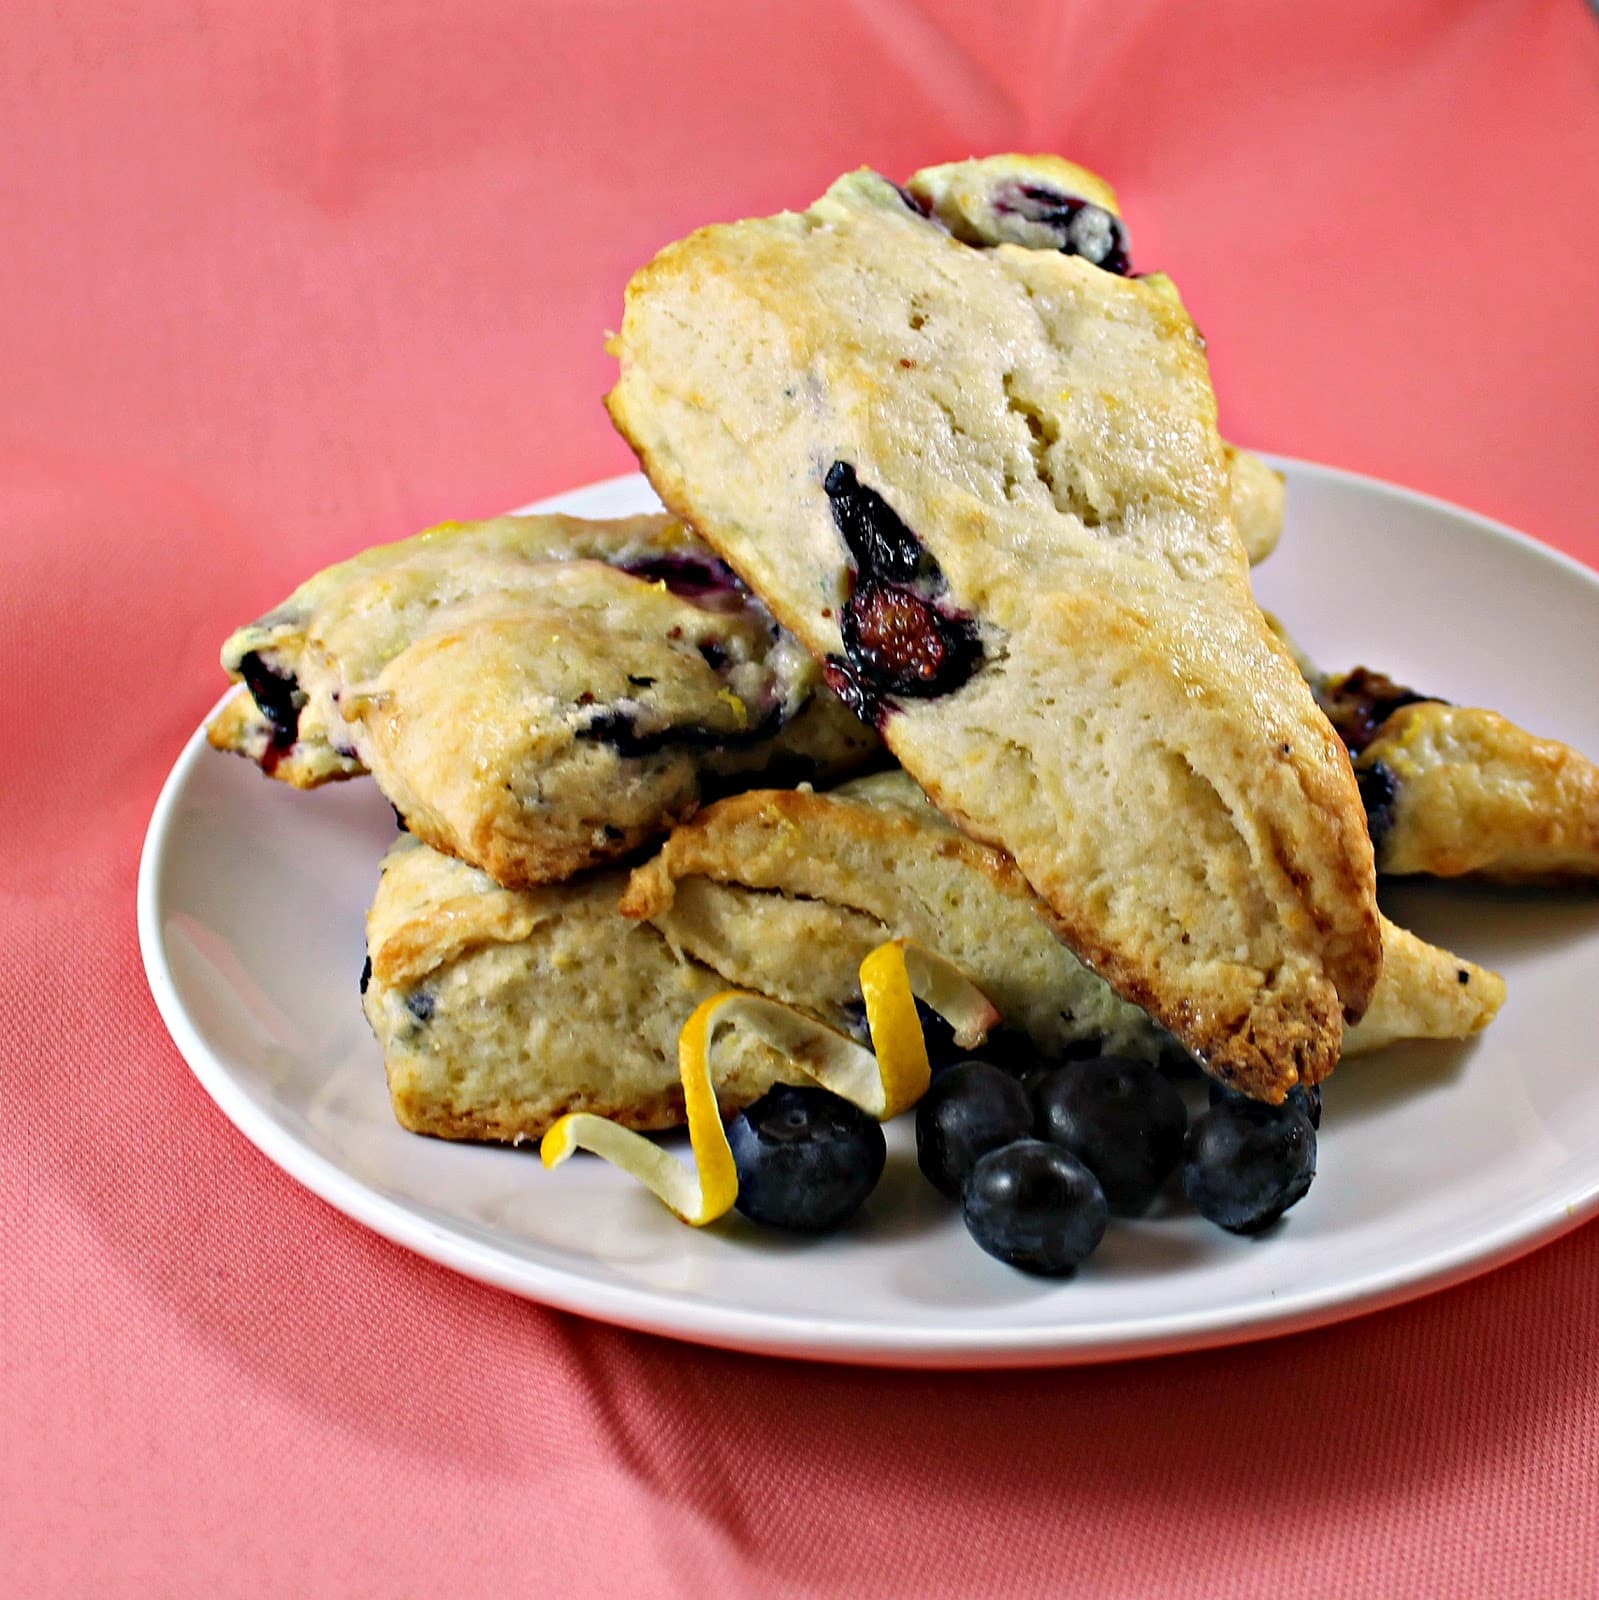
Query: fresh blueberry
x,y
970,1109
1122,1120
1036,1207
1248,1162
806,1158
421,1004
939,1037
1303,1097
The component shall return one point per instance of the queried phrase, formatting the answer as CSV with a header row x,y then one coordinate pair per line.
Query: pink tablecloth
x,y
281,280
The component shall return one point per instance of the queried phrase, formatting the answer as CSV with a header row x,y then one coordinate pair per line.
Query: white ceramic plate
x,y
1436,1162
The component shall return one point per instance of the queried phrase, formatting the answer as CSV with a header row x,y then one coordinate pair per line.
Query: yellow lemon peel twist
x,y
893,977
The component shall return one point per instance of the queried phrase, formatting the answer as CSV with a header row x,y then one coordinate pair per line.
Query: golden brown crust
x,y
535,695
751,838
874,848
1462,791
1425,993
1130,688
239,729
1259,496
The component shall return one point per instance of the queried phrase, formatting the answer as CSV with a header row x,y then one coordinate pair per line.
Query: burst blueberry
x,y
882,546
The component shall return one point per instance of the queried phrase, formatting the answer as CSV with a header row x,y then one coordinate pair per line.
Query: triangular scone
x,y
752,880
534,694
1459,791
986,487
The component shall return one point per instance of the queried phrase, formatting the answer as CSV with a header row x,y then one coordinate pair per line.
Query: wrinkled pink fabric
x,y
278,281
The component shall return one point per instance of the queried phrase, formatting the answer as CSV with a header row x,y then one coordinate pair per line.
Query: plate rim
x,y
785,1333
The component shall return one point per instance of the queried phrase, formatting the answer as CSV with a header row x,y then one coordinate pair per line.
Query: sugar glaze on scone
x,y
985,485
533,694
754,878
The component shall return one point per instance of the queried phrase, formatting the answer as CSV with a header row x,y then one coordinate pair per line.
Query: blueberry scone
x,y
1453,791
1043,202
755,877
534,694
983,484
499,1010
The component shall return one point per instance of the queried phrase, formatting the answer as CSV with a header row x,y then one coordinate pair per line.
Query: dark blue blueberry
x,y
1303,1097
366,974
971,1108
806,1158
939,1037
882,546
1360,702
621,731
1083,228
690,576
420,1004
1035,1206
278,695
1248,1162
1121,1119
1177,1064
1379,794
714,655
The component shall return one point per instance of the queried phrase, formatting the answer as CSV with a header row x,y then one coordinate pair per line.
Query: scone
x,y
534,694
754,879
1042,202
985,486
499,1010
1453,791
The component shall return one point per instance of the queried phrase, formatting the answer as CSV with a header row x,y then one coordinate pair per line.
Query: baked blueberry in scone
x,y
1455,791
534,694
499,1010
1045,203
984,485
